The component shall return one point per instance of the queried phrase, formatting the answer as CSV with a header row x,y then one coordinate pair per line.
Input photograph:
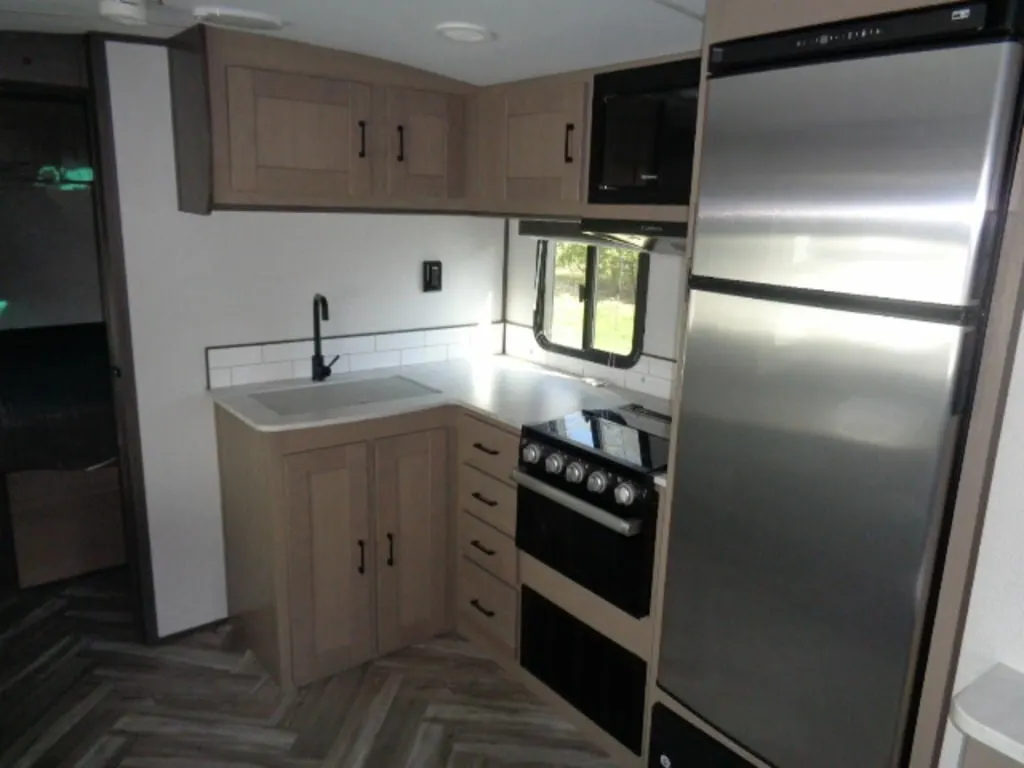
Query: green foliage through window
x,y
590,301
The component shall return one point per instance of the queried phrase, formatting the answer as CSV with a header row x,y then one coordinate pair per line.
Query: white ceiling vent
x,y
237,18
132,12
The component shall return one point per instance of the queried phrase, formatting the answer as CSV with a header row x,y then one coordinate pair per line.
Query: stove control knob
x,y
531,453
555,463
625,494
597,482
575,472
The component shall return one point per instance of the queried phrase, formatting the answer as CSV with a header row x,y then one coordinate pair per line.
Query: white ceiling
x,y
535,37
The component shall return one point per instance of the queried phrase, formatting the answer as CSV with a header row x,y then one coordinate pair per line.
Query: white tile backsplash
x,y
446,336
369,360
350,345
424,355
256,374
220,377
292,350
649,385
257,363
232,356
662,369
410,340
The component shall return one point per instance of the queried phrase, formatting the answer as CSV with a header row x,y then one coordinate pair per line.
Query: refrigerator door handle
x,y
619,525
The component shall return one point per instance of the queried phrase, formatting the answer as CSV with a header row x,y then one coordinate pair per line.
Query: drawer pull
x,y
391,549
484,611
362,556
484,500
489,552
485,449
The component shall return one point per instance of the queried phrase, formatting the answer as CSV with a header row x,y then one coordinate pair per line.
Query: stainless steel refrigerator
x,y
850,207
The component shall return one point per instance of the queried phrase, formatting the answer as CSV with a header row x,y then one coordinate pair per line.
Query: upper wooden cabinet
x,y
427,144
298,136
262,122
542,131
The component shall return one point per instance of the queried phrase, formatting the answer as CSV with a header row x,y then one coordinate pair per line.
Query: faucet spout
x,y
321,311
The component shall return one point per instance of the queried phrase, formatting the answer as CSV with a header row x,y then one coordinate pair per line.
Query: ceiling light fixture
x,y
463,32
130,12
237,18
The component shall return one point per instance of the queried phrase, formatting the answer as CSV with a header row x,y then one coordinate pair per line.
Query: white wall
x,y
995,617
238,278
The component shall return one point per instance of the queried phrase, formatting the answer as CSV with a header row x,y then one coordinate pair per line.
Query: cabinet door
x,y
413,544
301,138
544,130
427,148
330,560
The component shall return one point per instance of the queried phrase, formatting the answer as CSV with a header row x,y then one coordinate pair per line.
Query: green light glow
x,y
65,179
3,306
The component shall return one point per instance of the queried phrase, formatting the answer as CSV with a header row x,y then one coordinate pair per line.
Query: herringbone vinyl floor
x,y
76,692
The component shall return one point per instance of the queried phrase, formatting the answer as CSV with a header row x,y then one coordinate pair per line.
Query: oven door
x,y
612,555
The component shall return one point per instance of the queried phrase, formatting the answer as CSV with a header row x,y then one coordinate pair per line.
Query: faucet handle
x,y
330,365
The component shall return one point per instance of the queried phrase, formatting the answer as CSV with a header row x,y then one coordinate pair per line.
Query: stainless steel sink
x,y
296,401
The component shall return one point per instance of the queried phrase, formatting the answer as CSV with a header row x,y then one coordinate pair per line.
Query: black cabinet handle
x,y
401,143
391,549
484,611
362,138
569,128
489,552
485,449
484,500
362,556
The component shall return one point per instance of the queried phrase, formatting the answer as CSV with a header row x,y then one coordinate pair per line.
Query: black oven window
x,y
591,301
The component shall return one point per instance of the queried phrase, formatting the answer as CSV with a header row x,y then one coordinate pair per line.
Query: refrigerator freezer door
x,y
812,456
870,176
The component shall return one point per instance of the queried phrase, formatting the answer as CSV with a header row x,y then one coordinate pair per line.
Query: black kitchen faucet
x,y
321,370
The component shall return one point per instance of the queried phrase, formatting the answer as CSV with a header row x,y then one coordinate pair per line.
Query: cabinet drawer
x,y
488,448
487,605
487,547
485,497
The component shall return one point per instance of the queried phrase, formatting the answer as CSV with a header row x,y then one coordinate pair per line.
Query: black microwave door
x,y
643,147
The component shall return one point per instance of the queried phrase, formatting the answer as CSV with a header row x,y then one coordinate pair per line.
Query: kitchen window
x,y
591,301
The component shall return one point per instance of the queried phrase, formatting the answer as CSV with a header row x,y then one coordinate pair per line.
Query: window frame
x,y
588,352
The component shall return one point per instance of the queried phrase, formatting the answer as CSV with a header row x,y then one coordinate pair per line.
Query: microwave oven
x,y
644,124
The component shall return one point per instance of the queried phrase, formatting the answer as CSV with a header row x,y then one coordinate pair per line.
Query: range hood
x,y
653,237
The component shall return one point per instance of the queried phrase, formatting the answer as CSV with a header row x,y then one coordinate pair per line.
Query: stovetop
x,y
637,440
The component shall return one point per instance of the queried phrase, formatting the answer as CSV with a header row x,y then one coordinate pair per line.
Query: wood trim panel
x,y
300,440
250,480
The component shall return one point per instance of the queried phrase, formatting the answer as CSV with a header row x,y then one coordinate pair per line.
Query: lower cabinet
x,y
412,538
330,560
366,579
339,541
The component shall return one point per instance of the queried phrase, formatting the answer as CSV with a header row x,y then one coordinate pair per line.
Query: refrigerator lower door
x,y
873,176
814,447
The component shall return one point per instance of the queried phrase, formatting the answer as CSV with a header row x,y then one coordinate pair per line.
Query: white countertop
x,y
991,711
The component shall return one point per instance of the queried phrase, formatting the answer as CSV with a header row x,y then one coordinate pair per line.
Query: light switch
x,y
431,276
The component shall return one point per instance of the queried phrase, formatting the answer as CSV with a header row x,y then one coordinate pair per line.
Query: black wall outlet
x,y
431,276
